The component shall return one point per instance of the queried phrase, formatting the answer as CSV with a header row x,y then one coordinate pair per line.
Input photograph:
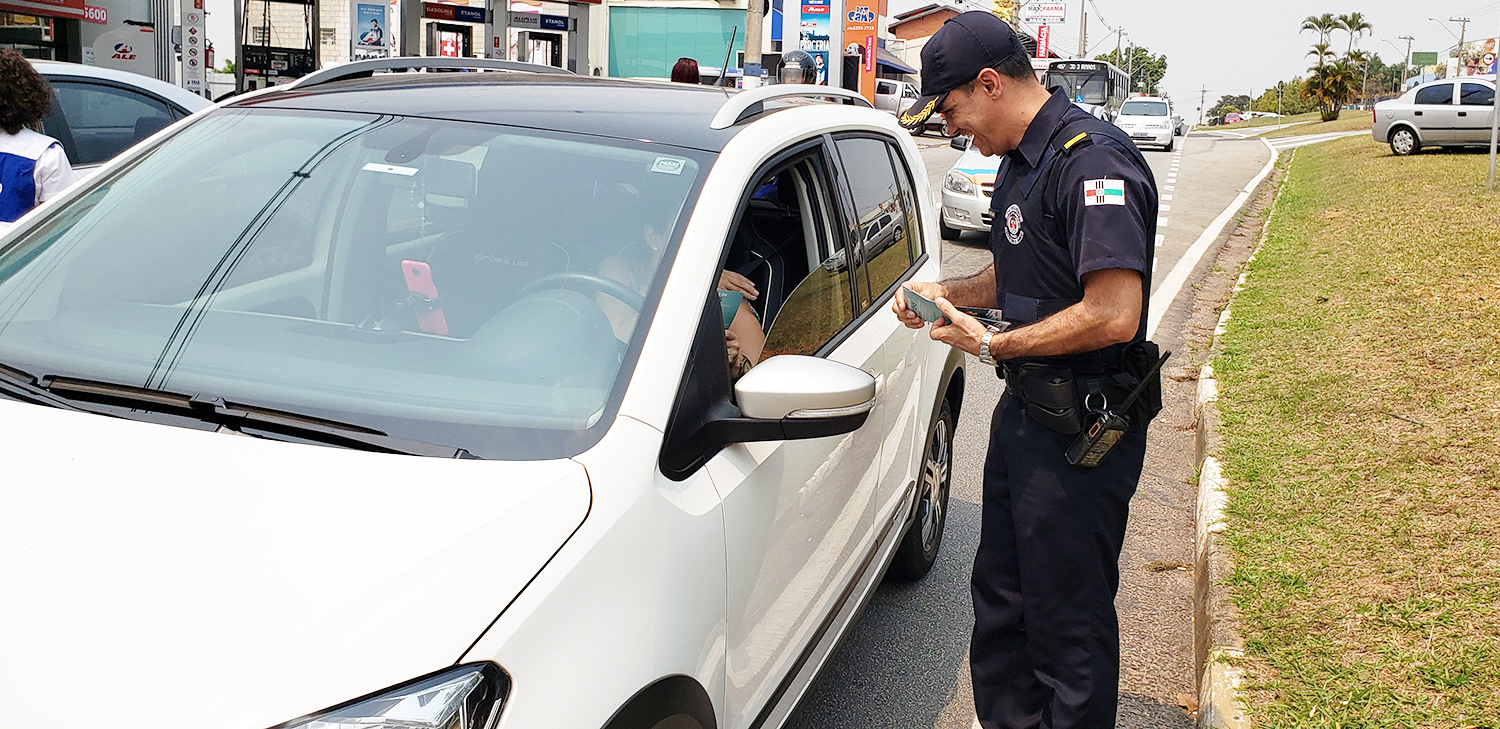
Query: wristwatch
x,y
985,357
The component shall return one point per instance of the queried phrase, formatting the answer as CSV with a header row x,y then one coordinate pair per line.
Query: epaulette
x,y
1082,140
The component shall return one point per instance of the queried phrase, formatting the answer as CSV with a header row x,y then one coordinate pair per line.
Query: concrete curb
x,y
1216,639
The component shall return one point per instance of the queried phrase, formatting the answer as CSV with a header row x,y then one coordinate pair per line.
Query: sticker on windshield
x,y
390,169
668,165
1103,192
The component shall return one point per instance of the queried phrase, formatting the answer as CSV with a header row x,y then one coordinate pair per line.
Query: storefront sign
x,y
460,13
47,8
537,21
859,39
96,15
555,22
813,34
194,49
1043,13
1043,37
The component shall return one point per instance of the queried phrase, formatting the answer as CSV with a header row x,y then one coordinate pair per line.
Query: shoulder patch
x,y
1103,192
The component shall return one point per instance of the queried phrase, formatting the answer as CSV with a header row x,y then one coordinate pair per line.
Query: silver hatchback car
x,y
1453,112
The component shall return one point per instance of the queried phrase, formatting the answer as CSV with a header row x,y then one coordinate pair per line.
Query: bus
x,y
1090,82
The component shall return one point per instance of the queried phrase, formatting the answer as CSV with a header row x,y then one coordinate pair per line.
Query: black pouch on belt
x,y
1050,397
1139,360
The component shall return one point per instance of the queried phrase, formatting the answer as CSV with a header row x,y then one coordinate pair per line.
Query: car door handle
x,y
1463,113
1416,113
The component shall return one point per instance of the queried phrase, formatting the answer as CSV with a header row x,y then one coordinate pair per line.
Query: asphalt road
x,y
904,664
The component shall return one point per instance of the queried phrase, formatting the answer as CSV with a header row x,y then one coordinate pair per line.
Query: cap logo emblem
x,y
1013,220
911,118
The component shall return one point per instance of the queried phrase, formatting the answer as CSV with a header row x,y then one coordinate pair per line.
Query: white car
x,y
420,412
967,189
1148,121
101,112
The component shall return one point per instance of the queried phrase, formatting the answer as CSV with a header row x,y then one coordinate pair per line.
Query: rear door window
x,y
106,120
1435,94
885,211
1476,95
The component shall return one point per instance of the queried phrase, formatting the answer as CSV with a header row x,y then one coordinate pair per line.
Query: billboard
x,y
1476,58
859,35
370,30
813,34
1044,13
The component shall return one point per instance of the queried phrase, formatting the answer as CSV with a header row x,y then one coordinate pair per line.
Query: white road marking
x,y
1172,285
1161,222
1166,197
1159,238
1164,208
1170,187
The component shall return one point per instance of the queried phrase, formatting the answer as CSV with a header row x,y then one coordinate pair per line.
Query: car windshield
x,y
469,285
1144,108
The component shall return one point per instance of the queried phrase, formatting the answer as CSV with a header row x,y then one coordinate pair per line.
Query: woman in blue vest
x,y
33,167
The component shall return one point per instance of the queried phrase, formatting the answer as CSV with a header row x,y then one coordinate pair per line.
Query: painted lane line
x,y
1172,285
1160,237
1170,187
1166,197
1164,208
1161,222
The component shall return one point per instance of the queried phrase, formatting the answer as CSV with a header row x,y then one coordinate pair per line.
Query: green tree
x,y
228,66
1292,100
1228,103
1356,25
1332,85
1146,70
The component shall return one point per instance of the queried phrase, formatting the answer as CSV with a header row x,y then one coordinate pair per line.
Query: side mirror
x,y
959,142
787,397
798,387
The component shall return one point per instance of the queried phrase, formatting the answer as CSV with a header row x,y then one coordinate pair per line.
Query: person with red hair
x,y
686,71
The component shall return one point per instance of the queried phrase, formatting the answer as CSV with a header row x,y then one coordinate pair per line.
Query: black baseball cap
x,y
967,44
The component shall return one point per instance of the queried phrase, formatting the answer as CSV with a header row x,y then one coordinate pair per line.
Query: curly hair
x,y
25,96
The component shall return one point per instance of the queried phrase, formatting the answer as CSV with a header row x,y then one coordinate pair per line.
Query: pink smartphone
x,y
419,283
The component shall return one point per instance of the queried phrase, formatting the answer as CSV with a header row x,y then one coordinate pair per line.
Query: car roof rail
x,y
368,67
751,103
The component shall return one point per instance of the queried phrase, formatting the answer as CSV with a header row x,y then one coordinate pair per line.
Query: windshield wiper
x,y
236,417
20,385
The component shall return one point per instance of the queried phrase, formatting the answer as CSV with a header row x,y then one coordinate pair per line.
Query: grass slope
x,y
1368,545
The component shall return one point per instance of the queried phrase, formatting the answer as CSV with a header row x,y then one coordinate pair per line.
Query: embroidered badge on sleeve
x,y
1103,192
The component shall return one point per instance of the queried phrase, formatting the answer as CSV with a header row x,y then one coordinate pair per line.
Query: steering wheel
x,y
587,283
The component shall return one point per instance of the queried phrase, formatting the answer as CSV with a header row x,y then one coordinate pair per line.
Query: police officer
x,y
1074,224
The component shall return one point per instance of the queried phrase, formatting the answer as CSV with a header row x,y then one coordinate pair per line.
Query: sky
x,y
1245,47
1239,47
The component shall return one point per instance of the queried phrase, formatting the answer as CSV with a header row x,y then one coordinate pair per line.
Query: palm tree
x,y
1356,24
1332,85
1323,25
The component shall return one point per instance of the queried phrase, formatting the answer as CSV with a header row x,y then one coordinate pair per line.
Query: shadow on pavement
x,y
901,662
1143,711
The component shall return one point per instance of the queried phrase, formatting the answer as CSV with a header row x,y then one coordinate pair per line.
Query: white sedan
x,y
422,411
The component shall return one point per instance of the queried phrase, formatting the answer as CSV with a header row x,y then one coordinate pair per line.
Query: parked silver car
x,y
1446,113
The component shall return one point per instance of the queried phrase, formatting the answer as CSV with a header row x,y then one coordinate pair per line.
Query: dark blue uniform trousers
x,y
1046,644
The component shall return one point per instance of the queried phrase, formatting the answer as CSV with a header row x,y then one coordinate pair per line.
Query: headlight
x,y
465,697
958,182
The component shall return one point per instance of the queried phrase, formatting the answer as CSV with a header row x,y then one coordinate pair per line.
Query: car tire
x,y
1171,144
924,536
948,232
1404,142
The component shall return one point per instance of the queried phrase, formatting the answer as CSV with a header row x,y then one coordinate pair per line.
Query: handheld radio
x,y
1095,443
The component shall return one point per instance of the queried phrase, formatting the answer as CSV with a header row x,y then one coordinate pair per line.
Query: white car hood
x,y
174,578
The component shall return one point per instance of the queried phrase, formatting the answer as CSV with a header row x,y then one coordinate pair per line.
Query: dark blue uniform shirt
x,y
1065,207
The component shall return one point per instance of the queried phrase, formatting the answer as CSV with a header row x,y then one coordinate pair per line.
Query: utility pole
x,y
1406,64
753,16
1202,99
1494,135
1083,29
1463,27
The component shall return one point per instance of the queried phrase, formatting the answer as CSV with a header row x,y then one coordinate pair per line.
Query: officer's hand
x,y
958,330
932,291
